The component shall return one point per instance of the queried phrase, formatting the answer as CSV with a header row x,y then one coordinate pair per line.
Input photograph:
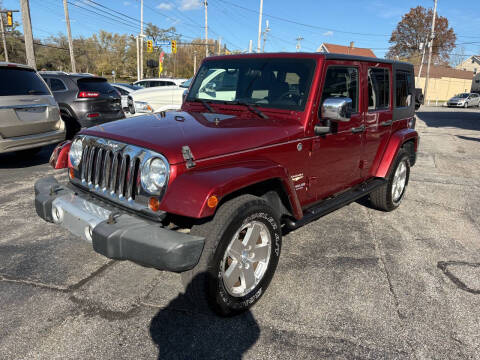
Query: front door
x,y
335,157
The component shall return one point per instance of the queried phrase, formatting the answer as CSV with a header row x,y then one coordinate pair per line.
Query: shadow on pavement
x,y
180,331
23,159
468,138
468,120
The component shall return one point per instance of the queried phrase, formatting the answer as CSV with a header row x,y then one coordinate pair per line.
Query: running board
x,y
329,205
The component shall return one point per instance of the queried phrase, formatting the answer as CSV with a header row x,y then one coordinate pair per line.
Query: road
x,y
357,283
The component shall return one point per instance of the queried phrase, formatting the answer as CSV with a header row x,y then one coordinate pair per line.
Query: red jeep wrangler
x,y
263,141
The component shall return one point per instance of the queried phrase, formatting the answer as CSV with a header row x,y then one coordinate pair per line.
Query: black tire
x,y
382,198
71,126
204,283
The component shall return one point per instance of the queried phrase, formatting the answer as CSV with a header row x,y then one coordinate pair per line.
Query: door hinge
x,y
188,156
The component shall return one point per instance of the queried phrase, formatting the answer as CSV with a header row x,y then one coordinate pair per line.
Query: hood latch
x,y
188,156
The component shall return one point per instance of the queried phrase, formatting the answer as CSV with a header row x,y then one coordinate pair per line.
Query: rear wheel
x,y
389,196
241,253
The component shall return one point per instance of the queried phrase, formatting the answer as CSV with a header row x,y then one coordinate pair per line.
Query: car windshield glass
x,y
95,84
463,96
18,81
281,83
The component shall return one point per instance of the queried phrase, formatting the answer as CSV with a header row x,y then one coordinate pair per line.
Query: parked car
x,y
29,115
154,99
124,90
464,100
84,100
206,191
148,83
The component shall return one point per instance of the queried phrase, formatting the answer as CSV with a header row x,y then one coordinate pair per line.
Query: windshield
x,y
275,82
463,96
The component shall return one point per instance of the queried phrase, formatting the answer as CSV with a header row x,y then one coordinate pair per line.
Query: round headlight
x,y
76,152
154,175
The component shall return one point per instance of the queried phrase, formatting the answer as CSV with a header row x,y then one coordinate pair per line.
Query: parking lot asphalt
x,y
357,283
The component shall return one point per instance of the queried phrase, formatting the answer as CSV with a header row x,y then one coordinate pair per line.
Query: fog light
x,y
57,214
154,204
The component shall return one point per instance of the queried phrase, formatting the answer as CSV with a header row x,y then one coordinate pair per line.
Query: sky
x,y
367,23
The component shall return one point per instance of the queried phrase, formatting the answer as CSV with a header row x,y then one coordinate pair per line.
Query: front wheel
x,y
389,196
241,253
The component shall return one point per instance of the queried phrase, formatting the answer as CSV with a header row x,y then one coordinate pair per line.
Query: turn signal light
x,y
154,204
212,201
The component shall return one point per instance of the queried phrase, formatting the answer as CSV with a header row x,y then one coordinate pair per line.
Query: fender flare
x,y
67,109
396,141
222,181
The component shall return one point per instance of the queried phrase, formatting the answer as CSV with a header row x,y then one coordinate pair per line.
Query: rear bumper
x,y
113,233
103,118
31,141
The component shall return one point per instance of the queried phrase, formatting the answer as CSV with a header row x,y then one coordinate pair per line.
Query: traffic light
x,y
174,46
149,46
9,18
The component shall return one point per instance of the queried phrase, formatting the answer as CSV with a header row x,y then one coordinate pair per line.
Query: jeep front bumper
x,y
113,233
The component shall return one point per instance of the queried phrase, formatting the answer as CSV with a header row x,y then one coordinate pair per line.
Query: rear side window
x,y
57,85
17,81
378,89
341,82
403,80
98,85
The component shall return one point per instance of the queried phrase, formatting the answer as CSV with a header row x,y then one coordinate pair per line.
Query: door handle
x,y
386,123
358,129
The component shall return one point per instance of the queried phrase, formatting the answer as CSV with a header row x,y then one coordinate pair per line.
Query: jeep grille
x,y
112,169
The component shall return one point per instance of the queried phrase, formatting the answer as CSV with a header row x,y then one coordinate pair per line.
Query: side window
x,y
169,83
403,80
341,82
378,89
57,85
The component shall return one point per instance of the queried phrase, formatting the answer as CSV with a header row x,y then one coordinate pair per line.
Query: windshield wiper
x,y
205,103
251,107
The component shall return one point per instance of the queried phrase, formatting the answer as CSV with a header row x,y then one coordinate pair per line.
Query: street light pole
x,y
432,36
260,26
205,3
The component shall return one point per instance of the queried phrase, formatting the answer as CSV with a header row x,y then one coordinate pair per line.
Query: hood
x,y
457,99
207,134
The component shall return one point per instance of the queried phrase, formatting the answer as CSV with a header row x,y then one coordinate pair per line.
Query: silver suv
x,y
29,115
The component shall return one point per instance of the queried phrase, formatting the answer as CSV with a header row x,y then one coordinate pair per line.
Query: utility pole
x,y
250,46
27,32
69,33
138,57
267,29
3,38
194,62
205,3
432,36
260,26
141,39
299,46
423,46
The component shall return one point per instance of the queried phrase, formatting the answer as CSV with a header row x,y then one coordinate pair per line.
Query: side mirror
x,y
211,88
337,109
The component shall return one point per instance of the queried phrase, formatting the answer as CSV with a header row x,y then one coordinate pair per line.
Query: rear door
x,y
99,95
27,106
379,115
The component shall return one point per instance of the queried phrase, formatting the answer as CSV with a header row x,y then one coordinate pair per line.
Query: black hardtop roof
x,y
300,55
